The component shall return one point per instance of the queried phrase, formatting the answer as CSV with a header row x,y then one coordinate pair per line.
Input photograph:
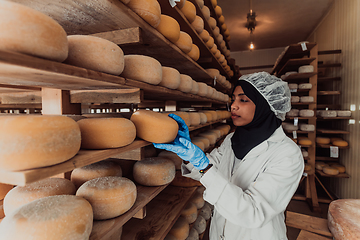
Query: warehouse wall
x,y
340,29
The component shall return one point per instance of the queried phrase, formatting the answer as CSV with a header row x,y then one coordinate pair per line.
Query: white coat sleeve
x,y
265,198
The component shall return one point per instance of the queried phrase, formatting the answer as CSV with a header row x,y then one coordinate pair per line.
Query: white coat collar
x,y
277,136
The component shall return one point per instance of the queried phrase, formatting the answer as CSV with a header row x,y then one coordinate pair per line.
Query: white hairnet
x,y
273,89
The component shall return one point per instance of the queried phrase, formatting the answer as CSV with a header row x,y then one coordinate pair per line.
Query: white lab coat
x,y
250,203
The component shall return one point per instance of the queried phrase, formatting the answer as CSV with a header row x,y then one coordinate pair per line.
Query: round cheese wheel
x,y
221,19
185,83
200,224
306,113
195,87
198,200
327,113
180,4
305,141
289,127
214,3
170,78
32,141
218,11
109,196
194,54
306,99
216,31
20,196
198,24
189,10
180,229
205,36
4,189
307,127
99,169
295,99
200,3
210,42
340,143
206,12
194,118
95,53
212,22
212,138
149,10
307,167
293,85
205,140
173,157
180,181
169,27
339,167
185,42
203,118
320,165
199,143
193,235
28,31
330,170
189,212
306,69
293,113
184,115
206,212
305,86
101,133
210,92
156,171
142,68
343,113
322,140
209,116
148,123
56,217
216,132
203,89
213,72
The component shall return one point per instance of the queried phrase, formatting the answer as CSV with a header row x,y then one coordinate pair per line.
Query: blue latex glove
x,y
187,151
183,128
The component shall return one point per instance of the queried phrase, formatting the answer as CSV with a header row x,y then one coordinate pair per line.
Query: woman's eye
x,y
243,100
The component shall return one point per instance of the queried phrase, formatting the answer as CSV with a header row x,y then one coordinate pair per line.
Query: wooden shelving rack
x,y
114,21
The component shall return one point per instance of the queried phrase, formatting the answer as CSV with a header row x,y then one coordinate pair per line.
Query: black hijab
x,y
260,128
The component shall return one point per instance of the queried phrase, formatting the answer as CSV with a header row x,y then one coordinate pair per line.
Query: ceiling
x,y
279,22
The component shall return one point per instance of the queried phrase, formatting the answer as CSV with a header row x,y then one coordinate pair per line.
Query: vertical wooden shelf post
x,y
57,102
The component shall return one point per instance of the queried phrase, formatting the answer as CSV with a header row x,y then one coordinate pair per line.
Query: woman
x,y
251,178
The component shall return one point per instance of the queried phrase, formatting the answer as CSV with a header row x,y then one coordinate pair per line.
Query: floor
x,y
299,207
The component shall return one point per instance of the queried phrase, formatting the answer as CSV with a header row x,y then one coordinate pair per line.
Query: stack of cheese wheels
x,y
89,51
20,196
184,42
204,35
100,169
203,89
170,78
200,224
190,212
322,140
206,211
33,141
199,143
194,54
180,229
181,181
193,234
169,27
339,167
195,87
101,133
36,34
148,124
56,217
198,24
204,140
173,157
142,68
149,10
330,170
109,196
189,10
156,171
185,83
4,189
194,118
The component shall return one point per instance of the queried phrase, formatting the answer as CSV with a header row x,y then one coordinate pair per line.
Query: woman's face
x,y
242,108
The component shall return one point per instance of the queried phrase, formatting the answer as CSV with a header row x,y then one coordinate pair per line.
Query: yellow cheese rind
x,y
330,170
170,78
189,10
189,212
195,87
169,27
109,196
20,196
148,123
203,89
156,171
185,42
173,157
206,12
205,36
102,133
198,24
28,31
61,217
99,169
32,141
142,68
194,53
185,83
180,229
149,10
95,53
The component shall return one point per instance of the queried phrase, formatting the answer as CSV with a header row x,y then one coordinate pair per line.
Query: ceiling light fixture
x,y
250,25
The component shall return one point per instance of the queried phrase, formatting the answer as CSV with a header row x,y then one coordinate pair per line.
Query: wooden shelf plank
x,y
82,158
298,76
294,64
321,93
333,118
340,175
338,51
328,146
293,51
162,213
322,158
329,79
332,131
329,65
301,117
109,227
20,106
305,235
330,106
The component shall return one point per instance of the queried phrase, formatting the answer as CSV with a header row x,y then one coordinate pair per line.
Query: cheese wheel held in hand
x,y
32,141
28,31
149,123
